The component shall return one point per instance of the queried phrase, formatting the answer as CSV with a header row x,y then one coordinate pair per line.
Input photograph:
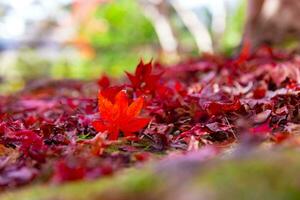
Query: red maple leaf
x,y
215,108
119,116
31,144
103,82
262,129
110,92
245,53
143,81
64,171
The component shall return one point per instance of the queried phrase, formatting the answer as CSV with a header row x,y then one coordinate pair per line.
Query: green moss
x,y
133,182
270,177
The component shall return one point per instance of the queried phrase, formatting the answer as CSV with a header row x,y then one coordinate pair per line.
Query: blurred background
x,y
83,39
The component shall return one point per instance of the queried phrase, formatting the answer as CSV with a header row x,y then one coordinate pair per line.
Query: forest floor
x,y
207,128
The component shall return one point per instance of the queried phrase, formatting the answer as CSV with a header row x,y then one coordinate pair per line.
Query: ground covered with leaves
x,y
173,118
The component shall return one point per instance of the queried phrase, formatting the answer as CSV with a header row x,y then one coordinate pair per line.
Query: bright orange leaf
x,y
119,116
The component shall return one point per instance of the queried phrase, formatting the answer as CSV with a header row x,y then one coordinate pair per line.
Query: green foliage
x,y
122,35
32,65
128,37
234,29
126,26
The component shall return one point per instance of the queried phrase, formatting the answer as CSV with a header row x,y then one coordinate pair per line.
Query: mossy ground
x,y
264,175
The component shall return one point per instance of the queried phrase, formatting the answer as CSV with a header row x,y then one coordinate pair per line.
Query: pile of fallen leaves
x,y
58,131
